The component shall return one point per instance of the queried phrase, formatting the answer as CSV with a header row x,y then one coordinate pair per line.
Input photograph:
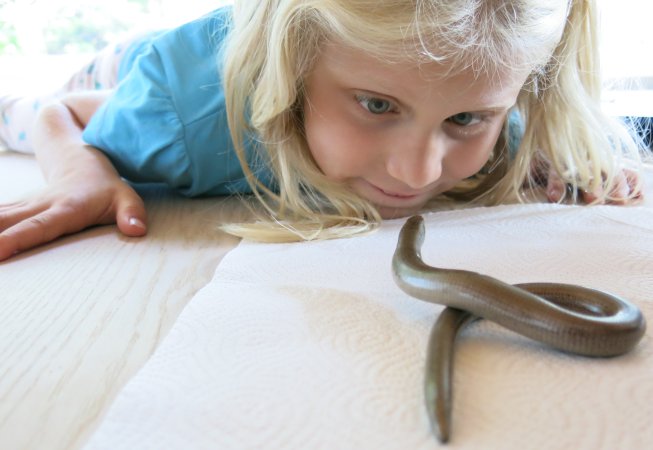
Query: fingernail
x,y
136,222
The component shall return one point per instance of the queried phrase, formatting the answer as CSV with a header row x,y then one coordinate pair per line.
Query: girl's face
x,y
399,134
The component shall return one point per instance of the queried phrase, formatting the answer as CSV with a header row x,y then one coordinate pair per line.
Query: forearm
x,y
84,188
59,147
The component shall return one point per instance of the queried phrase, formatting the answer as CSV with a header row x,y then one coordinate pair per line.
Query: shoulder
x,y
186,63
167,121
180,49
179,71
515,124
201,37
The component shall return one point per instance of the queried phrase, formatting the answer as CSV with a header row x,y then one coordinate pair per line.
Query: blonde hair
x,y
273,45
565,127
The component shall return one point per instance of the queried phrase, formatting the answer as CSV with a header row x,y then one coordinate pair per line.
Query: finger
x,y
555,187
14,213
635,186
620,191
589,196
7,248
130,213
33,231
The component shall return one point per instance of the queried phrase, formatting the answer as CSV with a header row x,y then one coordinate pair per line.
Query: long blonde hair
x,y
273,45
565,127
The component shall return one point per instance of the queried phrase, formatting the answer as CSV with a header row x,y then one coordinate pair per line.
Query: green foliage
x,y
8,39
82,31
73,27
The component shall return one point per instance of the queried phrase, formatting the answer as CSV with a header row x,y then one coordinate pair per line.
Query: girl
x,y
333,113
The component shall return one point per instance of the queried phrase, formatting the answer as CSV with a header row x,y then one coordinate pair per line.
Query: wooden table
x,y
80,316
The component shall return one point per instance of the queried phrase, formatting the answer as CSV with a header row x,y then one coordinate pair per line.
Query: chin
x,y
387,212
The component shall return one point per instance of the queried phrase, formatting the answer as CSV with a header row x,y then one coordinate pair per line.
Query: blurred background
x,y
57,36
57,27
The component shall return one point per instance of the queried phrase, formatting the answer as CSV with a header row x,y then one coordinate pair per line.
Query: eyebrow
x,y
378,86
495,108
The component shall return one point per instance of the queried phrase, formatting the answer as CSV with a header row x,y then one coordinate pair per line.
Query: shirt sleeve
x,y
166,121
139,130
515,132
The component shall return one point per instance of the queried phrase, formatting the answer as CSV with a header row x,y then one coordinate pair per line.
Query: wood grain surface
x,y
80,316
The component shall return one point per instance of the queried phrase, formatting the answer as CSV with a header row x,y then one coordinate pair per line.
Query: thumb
x,y
130,214
555,187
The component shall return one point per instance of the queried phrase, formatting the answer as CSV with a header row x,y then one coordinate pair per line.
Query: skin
x,y
626,184
399,134
426,134
83,187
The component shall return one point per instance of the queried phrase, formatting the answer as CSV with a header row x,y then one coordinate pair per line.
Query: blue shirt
x,y
166,121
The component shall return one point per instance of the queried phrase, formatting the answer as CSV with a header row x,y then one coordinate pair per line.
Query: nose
x,y
417,162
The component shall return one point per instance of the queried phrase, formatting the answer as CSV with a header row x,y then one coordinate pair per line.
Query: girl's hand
x,y
83,189
624,192
67,206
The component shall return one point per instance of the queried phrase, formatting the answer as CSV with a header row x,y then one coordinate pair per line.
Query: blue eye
x,y
464,119
374,105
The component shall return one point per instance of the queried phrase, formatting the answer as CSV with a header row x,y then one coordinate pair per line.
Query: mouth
x,y
392,203
398,195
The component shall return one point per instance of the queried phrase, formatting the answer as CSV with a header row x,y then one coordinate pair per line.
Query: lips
x,y
395,199
395,194
392,194
390,203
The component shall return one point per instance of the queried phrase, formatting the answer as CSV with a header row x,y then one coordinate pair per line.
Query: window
x,y
627,66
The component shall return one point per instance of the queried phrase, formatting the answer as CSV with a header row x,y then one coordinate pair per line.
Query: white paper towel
x,y
312,345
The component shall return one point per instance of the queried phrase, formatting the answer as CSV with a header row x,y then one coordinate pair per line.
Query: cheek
x,y
471,157
338,149
321,144
316,138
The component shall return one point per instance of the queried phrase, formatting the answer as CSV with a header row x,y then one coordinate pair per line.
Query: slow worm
x,y
568,317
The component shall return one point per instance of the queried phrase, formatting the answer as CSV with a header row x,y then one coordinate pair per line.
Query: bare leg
x,y
17,114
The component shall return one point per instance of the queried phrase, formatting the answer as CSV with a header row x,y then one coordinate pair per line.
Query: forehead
x,y
406,78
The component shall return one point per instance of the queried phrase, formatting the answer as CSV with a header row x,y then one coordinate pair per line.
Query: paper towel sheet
x,y
313,346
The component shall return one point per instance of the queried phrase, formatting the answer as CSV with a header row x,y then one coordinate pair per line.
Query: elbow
x,y
83,105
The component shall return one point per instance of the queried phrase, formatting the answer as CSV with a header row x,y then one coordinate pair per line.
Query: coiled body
x,y
571,318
